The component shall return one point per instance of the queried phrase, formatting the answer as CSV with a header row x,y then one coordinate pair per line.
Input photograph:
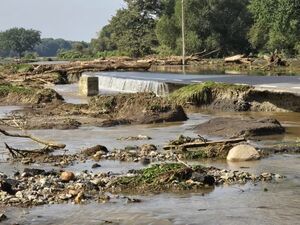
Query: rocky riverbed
x,y
80,174
33,187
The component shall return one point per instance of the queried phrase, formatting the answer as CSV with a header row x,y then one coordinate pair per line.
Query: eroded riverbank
x,y
256,199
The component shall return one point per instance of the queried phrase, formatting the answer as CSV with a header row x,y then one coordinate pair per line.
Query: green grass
x,y
11,68
203,93
5,89
149,175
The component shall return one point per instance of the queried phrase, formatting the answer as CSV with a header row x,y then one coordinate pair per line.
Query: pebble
x,y
67,176
96,165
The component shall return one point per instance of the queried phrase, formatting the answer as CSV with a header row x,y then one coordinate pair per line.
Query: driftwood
x,y
234,59
209,53
239,59
97,66
202,144
17,153
49,144
274,60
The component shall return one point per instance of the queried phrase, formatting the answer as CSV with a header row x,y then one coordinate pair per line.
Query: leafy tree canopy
x,y
51,47
276,25
19,40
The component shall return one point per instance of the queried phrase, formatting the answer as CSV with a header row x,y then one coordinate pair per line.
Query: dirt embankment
x,y
24,95
139,108
229,97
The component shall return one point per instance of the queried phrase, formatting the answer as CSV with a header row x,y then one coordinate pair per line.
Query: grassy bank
x,y
203,93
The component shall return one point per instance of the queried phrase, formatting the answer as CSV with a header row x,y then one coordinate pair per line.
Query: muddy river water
x,y
264,203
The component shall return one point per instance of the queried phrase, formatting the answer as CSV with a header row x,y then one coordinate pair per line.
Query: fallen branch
x,y
35,139
203,144
182,162
16,153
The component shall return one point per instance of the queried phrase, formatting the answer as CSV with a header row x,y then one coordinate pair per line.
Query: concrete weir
x,y
118,84
88,85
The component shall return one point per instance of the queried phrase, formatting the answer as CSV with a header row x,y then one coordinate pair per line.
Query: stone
x,y
147,148
19,194
203,178
96,165
98,149
78,199
145,161
67,176
6,187
88,86
30,172
2,217
243,153
236,127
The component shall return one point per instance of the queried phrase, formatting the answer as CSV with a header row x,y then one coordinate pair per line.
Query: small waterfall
x,y
132,85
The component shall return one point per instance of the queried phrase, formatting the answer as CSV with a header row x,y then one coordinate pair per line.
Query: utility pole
x,y
183,32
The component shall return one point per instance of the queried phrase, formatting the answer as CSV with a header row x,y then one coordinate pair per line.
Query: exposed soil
x,y
24,95
235,127
139,108
229,97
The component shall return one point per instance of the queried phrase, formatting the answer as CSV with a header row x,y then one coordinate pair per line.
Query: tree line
x,y
20,42
230,26
146,27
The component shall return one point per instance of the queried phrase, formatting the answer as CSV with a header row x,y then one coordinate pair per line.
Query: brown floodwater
x,y
246,204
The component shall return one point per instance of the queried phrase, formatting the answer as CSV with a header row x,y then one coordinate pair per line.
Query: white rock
x,y
19,194
243,153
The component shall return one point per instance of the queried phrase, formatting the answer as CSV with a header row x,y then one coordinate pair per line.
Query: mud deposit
x,y
119,186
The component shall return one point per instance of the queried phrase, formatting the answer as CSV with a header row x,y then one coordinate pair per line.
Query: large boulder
x,y
243,153
240,127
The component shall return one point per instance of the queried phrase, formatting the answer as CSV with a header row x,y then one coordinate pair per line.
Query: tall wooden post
x,y
183,32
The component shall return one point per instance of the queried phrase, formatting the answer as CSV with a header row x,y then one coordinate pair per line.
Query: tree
x,y
210,25
19,40
131,30
276,25
50,47
104,41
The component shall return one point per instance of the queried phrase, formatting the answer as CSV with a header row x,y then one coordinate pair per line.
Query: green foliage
x,y
203,93
51,47
150,175
131,30
210,25
72,54
276,25
30,56
106,54
11,68
19,40
5,89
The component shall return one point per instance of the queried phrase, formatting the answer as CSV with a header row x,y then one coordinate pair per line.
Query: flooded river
x,y
265,203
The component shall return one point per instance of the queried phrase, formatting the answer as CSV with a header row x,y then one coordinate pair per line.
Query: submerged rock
x,y
2,217
93,150
235,127
243,153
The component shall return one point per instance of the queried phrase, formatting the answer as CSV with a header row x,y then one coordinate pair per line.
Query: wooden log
x,y
35,139
17,153
203,144
234,59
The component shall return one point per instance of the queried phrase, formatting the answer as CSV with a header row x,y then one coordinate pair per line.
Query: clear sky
x,y
68,19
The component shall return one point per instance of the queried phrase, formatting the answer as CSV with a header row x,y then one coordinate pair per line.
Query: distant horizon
x,y
59,19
